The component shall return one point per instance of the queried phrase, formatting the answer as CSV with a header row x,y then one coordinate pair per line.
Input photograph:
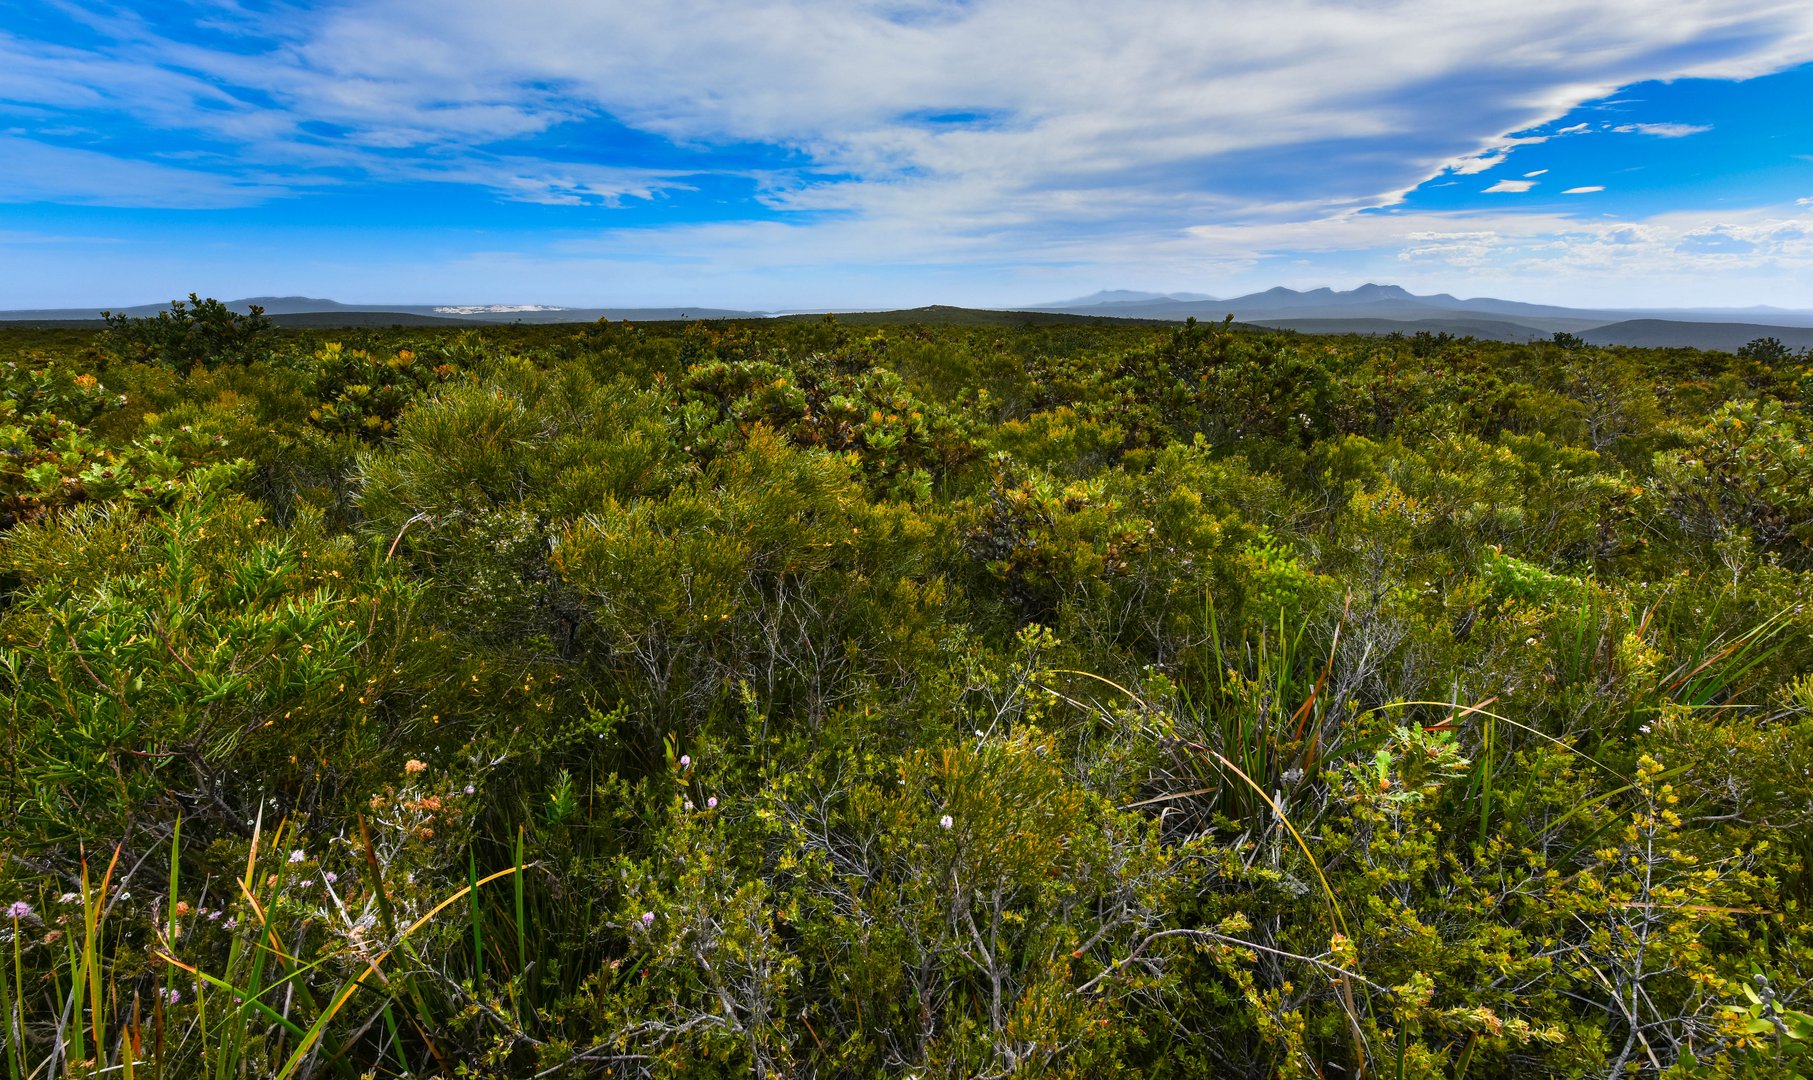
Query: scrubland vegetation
x,y
798,699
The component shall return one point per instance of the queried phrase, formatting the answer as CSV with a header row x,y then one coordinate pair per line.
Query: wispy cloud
x,y
1664,131
1095,103
1476,165
1585,189
39,172
1552,253
988,134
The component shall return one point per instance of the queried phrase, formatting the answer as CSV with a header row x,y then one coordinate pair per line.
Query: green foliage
x,y
1768,350
1744,474
789,698
363,395
203,333
50,460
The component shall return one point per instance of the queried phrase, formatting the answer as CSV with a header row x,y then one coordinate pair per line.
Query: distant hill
x,y
1726,337
945,315
1368,309
1109,297
355,317
1486,329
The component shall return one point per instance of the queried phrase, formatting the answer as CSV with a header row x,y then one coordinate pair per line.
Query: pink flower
x,y
686,761
648,919
19,910
298,855
711,803
331,877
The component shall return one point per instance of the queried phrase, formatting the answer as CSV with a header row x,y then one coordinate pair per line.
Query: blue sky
x,y
797,153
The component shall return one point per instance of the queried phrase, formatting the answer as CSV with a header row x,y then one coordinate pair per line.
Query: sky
x,y
788,154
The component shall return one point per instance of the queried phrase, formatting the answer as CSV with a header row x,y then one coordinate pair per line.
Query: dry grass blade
x,y
313,1034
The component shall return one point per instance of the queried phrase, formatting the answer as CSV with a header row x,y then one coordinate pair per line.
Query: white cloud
x,y
1538,172
1686,258
1118,136
1163,103
1510,185
1585,190
1473,166
1663,131
39,172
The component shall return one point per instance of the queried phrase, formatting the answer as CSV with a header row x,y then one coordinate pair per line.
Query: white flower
x,y
945,822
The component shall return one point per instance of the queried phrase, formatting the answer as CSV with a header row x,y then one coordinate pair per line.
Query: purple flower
x,y
686,761
470,789
19,910
331,877
648,919
175,995
711,803
298,855
214,916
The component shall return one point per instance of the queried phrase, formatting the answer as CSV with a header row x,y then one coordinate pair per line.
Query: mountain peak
x,y
1370,291
288,305
1125,296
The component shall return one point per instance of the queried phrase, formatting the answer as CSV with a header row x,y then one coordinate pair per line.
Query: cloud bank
x,y
989,133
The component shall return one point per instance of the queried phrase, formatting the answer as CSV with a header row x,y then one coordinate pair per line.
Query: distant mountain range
x,y
1369,309
1383,309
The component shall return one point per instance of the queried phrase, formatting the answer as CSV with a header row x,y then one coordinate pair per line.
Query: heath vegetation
x,y
799,699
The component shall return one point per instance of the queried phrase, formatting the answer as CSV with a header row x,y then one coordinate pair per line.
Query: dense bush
x,y
787,699
202,332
